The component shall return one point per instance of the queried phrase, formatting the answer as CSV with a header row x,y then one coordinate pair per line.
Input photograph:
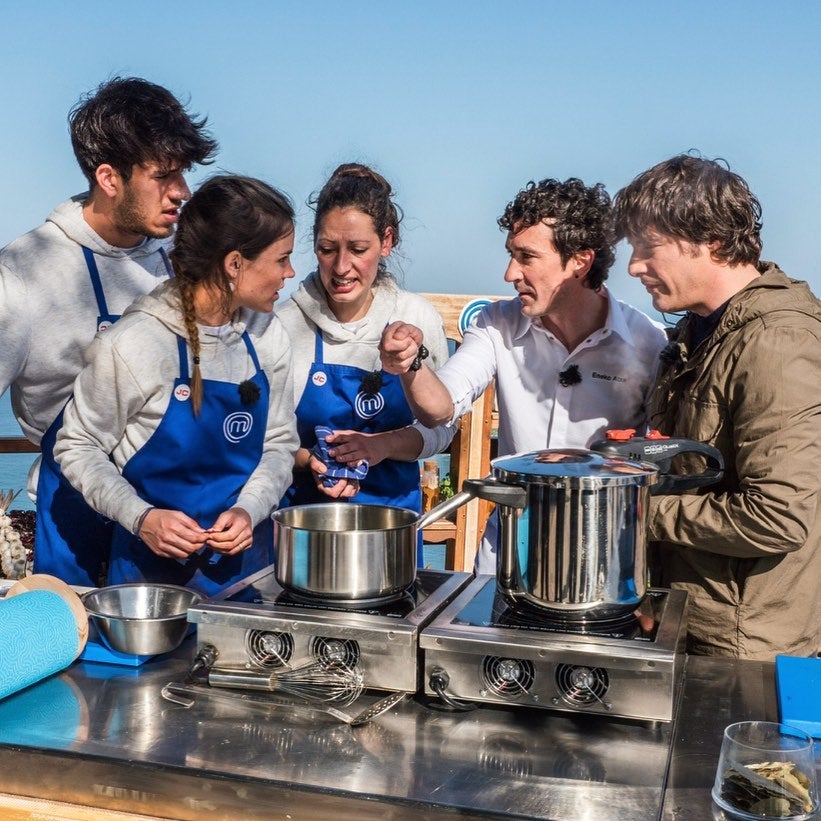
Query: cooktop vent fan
x,y
582,686
506,677
335,651
269,649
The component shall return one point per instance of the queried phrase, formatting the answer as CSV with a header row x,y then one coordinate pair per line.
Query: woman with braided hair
x,y
181,428
335,321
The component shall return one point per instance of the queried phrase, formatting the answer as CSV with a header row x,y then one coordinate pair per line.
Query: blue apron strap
x,y
318,347
252,352
94,274
167,263
183,351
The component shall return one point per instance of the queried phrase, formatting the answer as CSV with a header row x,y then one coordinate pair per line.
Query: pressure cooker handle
x,y
489,488
670,483
492,490
661,450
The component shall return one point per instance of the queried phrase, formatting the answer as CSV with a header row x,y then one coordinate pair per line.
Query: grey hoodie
x,y
48,313
120,398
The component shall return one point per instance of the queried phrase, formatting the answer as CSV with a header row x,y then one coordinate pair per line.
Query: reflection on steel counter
x,y
120,746
493,760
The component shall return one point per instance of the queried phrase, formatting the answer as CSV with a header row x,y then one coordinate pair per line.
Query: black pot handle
x,y
492,490
661,451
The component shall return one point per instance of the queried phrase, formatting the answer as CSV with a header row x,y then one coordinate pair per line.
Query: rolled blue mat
x,y
39,637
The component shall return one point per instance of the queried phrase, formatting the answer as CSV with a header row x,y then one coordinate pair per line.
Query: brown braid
x,y
186,289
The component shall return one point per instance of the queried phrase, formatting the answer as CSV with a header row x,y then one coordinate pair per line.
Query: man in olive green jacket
x,y
742,373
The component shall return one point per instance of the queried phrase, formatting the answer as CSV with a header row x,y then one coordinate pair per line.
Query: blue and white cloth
x,y
336,470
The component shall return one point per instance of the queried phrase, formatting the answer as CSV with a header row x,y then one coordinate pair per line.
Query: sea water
x,y
14,467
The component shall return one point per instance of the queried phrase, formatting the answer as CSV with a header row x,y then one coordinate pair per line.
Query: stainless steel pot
x,y
343,551
578,546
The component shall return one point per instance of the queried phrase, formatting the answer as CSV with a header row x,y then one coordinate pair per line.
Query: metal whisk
x,y
316,681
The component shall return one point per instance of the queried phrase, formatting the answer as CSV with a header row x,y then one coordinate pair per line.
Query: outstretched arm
x,y
351,447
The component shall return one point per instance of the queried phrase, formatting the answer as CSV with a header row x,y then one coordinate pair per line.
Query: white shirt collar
x,y
615,322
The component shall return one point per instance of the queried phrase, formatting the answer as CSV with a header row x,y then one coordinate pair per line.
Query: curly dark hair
x,y
697,200
581,218
129,121
353,185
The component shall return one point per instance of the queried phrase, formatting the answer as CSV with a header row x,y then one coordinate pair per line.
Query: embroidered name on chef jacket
x,y
367,405
608,377
237,425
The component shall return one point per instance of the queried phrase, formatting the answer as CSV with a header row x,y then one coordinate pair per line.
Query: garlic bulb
x,y
14,559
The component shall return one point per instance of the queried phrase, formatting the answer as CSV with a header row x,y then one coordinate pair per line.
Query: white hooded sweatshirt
x,y
48,312
120,398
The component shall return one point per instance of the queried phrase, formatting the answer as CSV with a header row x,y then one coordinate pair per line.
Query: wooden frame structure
x,y
17,444
469,451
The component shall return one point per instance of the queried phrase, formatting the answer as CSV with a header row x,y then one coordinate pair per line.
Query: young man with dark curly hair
x,y
742,373
568,358
74,275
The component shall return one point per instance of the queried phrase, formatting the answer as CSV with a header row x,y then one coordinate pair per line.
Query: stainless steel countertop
x,y
717,692
102,735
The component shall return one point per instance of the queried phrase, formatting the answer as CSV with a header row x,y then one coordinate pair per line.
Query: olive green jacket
x,y
748,549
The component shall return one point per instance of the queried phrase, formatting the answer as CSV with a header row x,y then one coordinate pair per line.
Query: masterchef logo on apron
x,y
237,426
367,405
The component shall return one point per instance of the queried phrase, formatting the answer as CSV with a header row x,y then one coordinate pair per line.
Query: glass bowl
x,y
766,770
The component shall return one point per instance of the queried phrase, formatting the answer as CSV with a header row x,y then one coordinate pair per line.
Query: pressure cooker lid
x,y
573,467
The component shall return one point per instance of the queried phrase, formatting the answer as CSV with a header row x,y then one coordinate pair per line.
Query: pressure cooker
x,y
574,543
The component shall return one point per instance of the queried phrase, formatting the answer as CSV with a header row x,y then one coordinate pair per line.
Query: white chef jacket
x,y
617,364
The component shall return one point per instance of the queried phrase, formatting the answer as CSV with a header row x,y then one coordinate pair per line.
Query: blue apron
x,y
198,465
71,540
333,396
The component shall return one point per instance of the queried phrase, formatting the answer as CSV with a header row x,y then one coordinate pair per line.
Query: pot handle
x,y
492,490
661,450
442,509
489,488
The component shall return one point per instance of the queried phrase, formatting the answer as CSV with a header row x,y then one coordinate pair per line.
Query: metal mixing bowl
x,y
141,619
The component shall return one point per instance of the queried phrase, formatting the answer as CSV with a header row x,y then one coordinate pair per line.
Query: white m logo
x,y
237,425
367,405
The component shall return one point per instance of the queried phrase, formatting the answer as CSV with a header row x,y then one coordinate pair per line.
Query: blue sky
x,y
459,104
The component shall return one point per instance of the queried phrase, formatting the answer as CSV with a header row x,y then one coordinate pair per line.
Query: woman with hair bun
x,y
181,428
335,321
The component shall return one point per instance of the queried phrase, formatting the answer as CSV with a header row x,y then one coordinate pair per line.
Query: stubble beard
x,y
129,218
